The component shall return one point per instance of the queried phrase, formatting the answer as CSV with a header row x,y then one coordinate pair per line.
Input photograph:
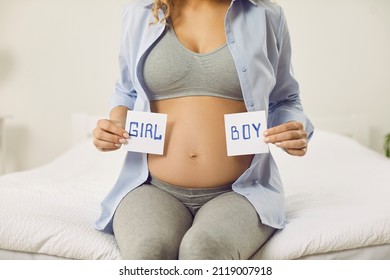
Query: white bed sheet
x,y
337,204
338,198
51,210
18,255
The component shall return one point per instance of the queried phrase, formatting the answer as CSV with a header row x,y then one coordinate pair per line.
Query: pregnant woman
x,y
196,60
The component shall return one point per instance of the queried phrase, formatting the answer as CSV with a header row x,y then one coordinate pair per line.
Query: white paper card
x,y
244,133
147,132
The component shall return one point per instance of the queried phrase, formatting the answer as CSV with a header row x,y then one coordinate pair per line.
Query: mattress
x,y
51,210
17,255
337,199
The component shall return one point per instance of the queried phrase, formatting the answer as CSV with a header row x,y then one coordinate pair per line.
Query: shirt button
x,y
231,40
243,69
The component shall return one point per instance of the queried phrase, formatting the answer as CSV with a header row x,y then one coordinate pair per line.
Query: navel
x,y
193,155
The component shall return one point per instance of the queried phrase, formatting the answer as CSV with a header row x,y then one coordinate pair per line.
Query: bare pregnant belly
x,y
195,146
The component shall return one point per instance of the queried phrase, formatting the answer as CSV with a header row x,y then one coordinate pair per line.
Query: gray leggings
x,y
160,221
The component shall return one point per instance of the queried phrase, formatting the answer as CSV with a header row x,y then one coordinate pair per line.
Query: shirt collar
x,y
254,2
149,3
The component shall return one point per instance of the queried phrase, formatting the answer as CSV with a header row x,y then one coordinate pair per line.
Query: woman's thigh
x,y
150,223
226,227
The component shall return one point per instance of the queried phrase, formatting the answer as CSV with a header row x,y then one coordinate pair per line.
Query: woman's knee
x,y
197,245
148,248
149,224
227,227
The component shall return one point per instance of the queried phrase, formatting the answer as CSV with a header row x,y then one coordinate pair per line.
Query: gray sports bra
x,y
172,71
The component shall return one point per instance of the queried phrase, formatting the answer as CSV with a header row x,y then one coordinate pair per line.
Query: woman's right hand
x,y
109,135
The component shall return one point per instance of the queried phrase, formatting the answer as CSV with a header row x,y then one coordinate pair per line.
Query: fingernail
x,y
278,144
266,140
118,145
123,141
265,133
126,135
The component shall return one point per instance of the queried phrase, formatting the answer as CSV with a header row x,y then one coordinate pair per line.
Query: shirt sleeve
x,y
284,102
124,94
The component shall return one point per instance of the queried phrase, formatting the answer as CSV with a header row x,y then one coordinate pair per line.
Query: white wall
x,y
60,56
341,58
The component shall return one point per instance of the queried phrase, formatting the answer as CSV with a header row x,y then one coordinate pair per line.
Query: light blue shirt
x,y
258,38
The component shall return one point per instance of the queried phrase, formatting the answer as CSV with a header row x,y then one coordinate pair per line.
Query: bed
x,y
337,204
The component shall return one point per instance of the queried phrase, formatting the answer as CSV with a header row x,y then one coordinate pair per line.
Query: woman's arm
x,y
289,129
110,134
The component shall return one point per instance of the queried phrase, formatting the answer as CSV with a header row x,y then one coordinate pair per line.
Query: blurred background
x,y
58,57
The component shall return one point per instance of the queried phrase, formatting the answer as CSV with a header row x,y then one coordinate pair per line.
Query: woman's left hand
x,y
290,136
